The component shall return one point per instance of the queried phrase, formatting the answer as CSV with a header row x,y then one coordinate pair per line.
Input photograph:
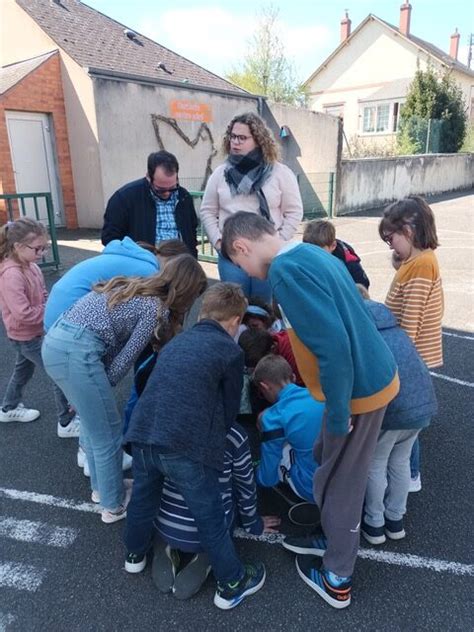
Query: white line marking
x,y
448,333
21,576
451,379
39,532
5,619
46,499
386,557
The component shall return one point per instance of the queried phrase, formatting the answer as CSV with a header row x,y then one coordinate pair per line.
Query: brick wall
x,y
40,91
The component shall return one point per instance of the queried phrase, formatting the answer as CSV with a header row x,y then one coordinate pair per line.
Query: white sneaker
x,y
109,517
415,483
81,457
71,430
82,461
86,470
95,497
20,413
127,461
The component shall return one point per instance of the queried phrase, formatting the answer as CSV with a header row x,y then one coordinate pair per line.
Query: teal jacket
x,y
341,356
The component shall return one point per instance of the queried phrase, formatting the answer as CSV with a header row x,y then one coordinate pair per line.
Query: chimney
x,y
405,16
454,48
345,27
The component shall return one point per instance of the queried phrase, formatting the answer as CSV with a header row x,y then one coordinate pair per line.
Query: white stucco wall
x,y
370,182
369,62
21,38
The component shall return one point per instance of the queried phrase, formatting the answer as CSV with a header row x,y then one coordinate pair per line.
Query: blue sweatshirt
x,y
295,419
119,257
341,356
416,403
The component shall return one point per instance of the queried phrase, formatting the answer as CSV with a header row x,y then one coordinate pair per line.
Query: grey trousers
x,y
28,357
339,488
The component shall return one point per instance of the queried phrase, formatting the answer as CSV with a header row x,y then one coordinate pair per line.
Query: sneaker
x,y
373,535
126,462
309,545
304,514
20,413
109,517
336,591
415,483
230,595
82,461
95,497
135,563
190,579
165,566
87,471
71,430
394,529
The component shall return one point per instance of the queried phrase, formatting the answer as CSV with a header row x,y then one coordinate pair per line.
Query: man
x,y
153,208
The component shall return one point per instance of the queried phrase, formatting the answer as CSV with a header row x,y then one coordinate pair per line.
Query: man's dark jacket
x,y
192,395
131,212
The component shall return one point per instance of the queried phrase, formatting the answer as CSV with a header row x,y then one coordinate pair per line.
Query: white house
x,y
365,80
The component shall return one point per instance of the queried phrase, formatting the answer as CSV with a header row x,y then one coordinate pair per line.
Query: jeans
x,y
199,486
415,459
28,357
250,285
389,477
72,357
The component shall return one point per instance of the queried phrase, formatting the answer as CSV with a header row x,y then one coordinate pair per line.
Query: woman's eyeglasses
x,y
38,249
238,138
388,238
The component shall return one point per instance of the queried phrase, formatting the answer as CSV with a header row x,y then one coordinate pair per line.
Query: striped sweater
x,y
175,522
416,299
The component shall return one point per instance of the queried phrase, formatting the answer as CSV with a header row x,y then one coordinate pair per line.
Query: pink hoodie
x,y
22,299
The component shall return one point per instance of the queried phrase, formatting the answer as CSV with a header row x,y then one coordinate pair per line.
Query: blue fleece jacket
x,y
415,403
119,257
295,419
341,356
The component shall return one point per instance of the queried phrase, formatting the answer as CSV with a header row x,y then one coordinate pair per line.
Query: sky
x,y
216,34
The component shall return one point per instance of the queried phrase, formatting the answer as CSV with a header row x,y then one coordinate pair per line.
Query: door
x,y
34,164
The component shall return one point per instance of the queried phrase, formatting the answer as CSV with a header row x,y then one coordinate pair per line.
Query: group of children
x,y
338,383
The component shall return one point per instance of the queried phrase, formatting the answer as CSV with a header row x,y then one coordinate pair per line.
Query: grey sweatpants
x,y
339,487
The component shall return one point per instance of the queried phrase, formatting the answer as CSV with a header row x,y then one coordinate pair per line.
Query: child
x,y
93,345
343,361
322,233
411,410
22,299
289,428
415,296
184,437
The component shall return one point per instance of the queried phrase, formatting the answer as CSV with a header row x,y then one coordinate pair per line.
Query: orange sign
x,y
190,111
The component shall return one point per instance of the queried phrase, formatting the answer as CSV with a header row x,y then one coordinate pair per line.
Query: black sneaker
x,y
165,565
135,563
189,580
336,591
230,595
373,535
394,529
304,514
308,545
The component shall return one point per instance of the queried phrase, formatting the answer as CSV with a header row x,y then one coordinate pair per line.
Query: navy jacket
x,y
131,212
416,402
192,396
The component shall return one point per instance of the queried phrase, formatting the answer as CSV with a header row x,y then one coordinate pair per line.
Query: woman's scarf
x,y
247,174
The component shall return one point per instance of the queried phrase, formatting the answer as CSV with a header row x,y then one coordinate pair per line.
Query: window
x,y
381,118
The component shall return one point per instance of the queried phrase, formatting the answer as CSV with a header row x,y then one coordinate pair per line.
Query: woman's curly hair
x,y
261,134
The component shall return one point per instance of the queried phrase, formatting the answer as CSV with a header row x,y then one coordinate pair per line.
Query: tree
x,y
433,115
266,69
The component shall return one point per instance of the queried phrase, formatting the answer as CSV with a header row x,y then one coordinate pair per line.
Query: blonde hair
x,y
261,134
177,286
223,301
319,232
21,231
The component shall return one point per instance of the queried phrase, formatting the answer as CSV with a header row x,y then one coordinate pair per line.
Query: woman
x,y
94,344
251,180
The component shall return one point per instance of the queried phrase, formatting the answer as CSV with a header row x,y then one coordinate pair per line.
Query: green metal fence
x,y
317,192
42,210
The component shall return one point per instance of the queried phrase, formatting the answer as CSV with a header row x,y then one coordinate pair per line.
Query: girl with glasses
x,y
250,180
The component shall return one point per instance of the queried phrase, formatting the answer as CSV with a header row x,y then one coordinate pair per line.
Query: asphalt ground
x,y
61,569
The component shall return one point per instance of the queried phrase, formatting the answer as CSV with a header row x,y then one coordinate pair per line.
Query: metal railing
x,y
17,205
317,192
